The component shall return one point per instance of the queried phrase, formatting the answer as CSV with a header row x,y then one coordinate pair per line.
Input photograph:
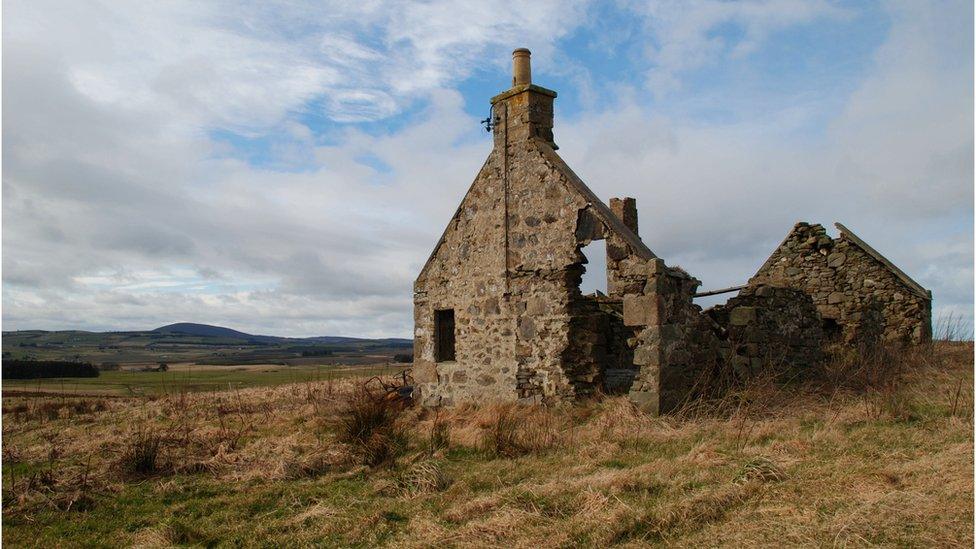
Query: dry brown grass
x,y
831,461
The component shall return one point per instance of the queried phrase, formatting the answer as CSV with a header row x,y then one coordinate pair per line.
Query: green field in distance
x,y
192,378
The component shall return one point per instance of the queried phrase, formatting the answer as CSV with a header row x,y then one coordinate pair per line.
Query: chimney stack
x,y
626,210
521,67
524,111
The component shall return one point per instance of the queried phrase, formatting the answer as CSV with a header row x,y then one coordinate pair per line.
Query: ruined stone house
x,y
859,294
498,311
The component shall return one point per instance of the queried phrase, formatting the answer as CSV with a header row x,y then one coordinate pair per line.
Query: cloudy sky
x,y
285,168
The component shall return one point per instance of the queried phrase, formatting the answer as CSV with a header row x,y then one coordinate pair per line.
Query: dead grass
x,y
54,408
880,455
511,430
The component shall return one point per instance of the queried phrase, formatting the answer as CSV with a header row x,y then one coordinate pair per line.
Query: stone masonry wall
x,y
509,265
674,342
462,277
849,286
770,328
598,356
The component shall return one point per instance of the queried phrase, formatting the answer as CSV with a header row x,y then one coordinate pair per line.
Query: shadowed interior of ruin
x,y
598,337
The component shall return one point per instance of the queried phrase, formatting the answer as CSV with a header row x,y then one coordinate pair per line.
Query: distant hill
x,y
196,343
201,330
207,330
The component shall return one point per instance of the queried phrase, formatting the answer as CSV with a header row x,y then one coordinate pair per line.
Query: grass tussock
x,y
141,455
665,522
423,477
511,430
869,450
371,426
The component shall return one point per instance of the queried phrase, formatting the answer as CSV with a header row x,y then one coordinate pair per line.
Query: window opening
x,y
595,275
444,328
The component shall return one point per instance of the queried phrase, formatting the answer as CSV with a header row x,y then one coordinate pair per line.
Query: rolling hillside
x,y
197,343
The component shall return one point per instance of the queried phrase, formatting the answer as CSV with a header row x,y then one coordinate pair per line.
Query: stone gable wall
x,y
848,286
529,335
466,276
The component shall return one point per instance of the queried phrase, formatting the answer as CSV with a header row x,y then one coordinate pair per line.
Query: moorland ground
x,y
851,460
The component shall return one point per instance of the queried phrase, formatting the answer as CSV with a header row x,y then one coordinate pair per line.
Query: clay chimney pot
x,y
521,67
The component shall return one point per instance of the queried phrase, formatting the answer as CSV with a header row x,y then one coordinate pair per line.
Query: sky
x,y
285,168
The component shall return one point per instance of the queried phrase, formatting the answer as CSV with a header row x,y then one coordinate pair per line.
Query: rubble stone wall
x,y
770,328
674,342
849,285
463,277
510,264
598,357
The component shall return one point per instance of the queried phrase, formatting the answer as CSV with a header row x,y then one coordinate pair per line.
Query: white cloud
x,y
120,211
895,165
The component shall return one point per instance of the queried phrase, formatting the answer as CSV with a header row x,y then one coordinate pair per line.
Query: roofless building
x,y
498,310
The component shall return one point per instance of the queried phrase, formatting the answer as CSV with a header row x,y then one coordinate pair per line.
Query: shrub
x,y
54,409
863,368
952,327
858,368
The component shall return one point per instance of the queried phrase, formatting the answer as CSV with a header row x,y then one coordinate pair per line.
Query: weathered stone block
x,y
740,316
537,306
764,291
616,253
424,372
645,355
526,328
485,379
642,310
656,266
836,259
